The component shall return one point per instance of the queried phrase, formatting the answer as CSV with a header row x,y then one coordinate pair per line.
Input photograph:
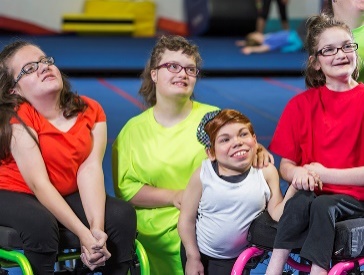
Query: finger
x,y
95,257
86,262
260,159
255,161
312,183
266,160
106,253
271,158
305,185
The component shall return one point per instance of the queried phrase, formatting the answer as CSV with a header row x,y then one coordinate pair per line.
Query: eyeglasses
x,y
347,48
176,68
31,67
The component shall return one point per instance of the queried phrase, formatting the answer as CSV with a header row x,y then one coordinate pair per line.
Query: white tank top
x,y
226,211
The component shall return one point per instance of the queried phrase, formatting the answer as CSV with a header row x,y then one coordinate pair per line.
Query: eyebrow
x,y
342,43
240,130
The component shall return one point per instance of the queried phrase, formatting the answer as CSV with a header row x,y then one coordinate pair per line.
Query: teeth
x,y
241,153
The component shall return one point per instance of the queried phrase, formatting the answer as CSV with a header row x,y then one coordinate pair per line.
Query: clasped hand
x,y
93,249
305,179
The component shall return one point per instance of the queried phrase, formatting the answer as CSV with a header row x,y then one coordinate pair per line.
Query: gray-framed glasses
x,y
176,68
31,67
347,48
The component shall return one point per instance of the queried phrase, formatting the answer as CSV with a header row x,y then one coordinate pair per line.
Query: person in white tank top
x,y
225,194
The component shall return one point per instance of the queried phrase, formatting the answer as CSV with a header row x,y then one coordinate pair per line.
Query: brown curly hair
x,y
171,43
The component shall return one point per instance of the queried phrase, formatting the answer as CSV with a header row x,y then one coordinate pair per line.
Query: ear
x,y
210,155
314,62
154,75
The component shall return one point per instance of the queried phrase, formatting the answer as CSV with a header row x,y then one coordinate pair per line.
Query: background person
x,y
263,7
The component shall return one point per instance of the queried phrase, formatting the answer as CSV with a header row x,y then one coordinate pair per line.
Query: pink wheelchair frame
x,y
340,266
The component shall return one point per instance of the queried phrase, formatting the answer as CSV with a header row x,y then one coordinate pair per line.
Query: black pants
x,y
212,266
308,222
39,229
264,12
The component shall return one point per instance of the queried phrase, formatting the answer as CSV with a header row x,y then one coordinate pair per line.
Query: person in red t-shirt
x,y
319,137
52,144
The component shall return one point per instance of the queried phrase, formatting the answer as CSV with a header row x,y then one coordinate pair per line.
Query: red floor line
x,y
124,94
283,85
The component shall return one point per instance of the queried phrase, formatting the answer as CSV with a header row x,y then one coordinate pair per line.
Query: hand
x,y
194,267
316,167
262,158
94,251
304,179
86,262
177,198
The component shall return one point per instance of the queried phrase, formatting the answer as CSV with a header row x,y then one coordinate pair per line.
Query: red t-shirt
x,y
324,126
63,152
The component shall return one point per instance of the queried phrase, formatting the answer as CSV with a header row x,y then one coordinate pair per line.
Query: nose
x,y
43,67
341,53
238,141
183,72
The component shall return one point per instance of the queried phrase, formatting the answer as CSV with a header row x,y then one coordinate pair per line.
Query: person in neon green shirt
x,y
351,12
156,152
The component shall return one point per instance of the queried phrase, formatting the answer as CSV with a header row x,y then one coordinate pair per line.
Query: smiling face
x,y
338,67
174,85
234,149
45,80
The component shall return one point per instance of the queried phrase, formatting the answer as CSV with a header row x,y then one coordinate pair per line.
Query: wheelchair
x,y
68,261
347,258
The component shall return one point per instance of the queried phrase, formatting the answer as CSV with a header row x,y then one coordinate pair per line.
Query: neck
x,y
341,86
48,107
171,113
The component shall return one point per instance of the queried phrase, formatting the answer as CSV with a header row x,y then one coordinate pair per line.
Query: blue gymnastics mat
x,y
125,56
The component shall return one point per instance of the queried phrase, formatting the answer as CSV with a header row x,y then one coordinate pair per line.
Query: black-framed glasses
x,y
176,68
347,48
31,67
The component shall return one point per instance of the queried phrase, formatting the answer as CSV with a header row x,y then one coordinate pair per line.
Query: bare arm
x,y
348,176
187,224
277,201
31,165
149,196
255,49
90,181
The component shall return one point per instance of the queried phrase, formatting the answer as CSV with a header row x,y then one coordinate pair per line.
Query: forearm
x,y
55,203
349,176
187,233
150,197
286,170
92,191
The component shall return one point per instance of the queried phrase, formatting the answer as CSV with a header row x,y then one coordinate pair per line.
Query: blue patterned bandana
x,y
202,136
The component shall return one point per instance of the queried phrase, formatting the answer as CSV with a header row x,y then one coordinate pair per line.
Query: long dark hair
x,y
70,102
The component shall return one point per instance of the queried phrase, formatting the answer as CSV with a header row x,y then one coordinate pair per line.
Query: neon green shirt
x,y
147,153
359,38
